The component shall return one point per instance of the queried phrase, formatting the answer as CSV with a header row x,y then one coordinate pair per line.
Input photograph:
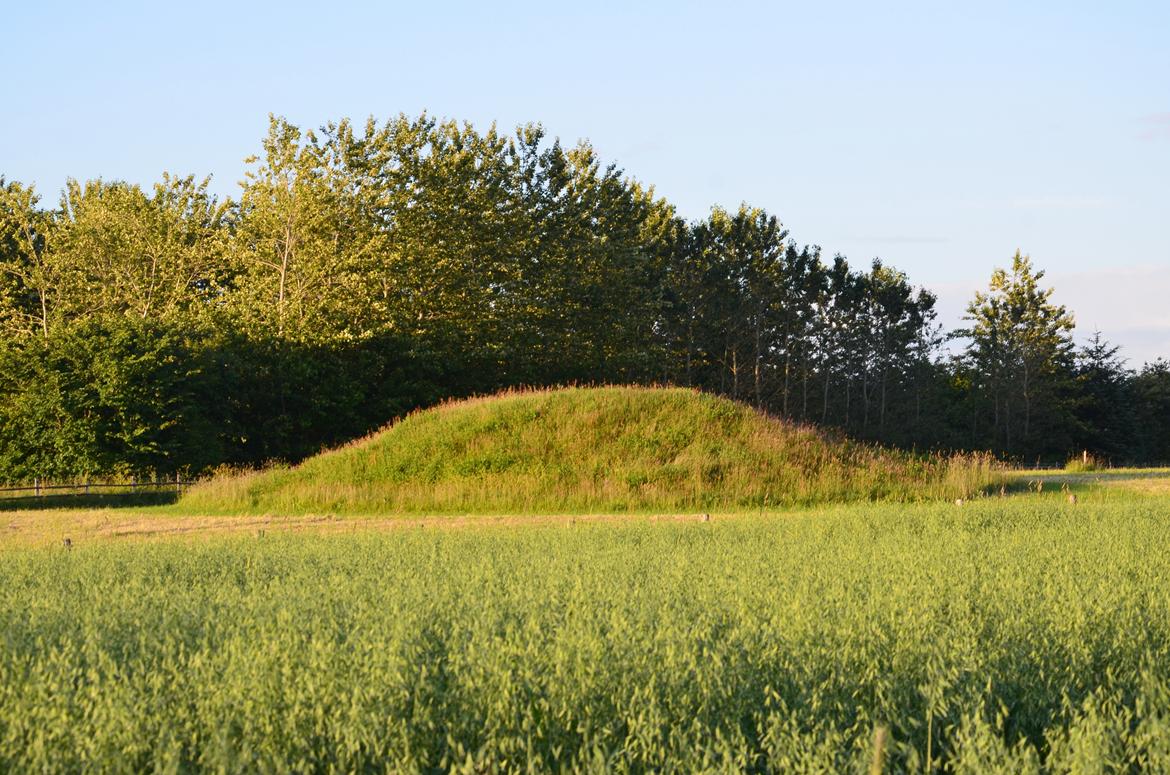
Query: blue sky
x,y
939,136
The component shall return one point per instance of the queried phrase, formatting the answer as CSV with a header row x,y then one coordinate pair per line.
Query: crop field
x,y
1009,634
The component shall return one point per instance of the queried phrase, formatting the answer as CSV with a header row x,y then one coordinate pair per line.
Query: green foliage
x,y
107,396
591,449
119,396
276,400
1105,410
117,250
26,279
1011,635
1151,399
108,249
1021,352
298,248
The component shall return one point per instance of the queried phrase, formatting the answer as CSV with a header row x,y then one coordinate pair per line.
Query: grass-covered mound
x,y
590,449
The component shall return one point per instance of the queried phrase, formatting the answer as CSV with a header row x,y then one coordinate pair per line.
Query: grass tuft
x,y
1084,463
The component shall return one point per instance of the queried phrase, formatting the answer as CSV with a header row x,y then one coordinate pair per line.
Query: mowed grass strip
x,y
607,449
1009,635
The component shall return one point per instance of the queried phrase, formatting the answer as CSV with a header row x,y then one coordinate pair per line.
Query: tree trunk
x,y
787,372
690,348
285,260
865,399
804,391
759,359
735,373
848,390
825,397
1027,401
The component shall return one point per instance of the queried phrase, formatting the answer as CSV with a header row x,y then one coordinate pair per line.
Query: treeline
x,y
365,271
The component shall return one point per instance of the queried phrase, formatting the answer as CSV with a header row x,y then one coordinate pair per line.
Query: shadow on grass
x,y
121,500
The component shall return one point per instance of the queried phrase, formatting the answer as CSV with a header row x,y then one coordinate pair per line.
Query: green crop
x,y
1008,635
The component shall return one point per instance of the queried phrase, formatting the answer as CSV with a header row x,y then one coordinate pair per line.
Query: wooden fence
x,y
39,488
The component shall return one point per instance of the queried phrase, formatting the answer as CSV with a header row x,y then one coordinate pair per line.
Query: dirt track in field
x,y
46,527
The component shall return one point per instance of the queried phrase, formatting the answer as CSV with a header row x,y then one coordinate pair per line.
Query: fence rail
x,y
90,488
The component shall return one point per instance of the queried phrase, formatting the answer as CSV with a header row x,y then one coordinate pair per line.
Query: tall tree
x,y
1021,350
1104,409
1151,395
297,255
121,250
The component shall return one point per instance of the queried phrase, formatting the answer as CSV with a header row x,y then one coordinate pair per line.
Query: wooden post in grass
x,y
878,765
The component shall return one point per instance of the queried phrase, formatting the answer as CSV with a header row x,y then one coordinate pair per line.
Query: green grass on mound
x,y
590,449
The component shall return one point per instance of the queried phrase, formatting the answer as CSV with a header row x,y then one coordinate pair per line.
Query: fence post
x,y
37,486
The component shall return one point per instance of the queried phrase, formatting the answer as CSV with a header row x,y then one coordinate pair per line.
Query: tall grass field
x,y
612,449
1014,635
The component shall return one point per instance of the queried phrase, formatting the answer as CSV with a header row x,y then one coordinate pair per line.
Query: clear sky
x,y
939,136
